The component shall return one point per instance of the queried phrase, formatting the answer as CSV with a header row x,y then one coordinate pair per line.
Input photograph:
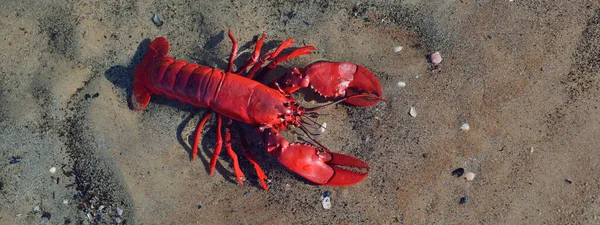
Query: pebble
x,y
323,126
413,112
401,84
46,217
326,203
469,176
465,127
52,170
100,208
120,211
36,209
118,220
15,160
464,200
156,20
245,193
326,194
531,150
458,172
65,201
397,48
436,58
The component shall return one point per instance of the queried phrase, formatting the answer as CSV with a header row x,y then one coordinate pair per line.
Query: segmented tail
x,y
158,49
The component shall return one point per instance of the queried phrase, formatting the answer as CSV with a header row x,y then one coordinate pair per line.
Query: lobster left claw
x,y
320,167
335,79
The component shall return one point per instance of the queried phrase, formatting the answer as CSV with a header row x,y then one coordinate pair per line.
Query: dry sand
x,y
522,74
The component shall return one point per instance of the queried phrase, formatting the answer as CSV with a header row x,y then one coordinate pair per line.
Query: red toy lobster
x,y
243,99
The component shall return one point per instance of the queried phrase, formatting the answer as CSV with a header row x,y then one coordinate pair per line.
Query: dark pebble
x,y
77,197
87,96
99,217
15,160
96,95
246,193
489,37
367,20
568,181
326,194
199,206
458,172
46,215
464,200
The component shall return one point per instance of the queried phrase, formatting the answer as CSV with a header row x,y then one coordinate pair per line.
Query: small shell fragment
x,y
531,150
322,128
413,112
397,48
66,201
401,84
469,176
156,20
436,58
465,127
52,170
326,203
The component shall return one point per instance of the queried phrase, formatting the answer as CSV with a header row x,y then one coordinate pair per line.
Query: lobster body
x,y
228,94
242,99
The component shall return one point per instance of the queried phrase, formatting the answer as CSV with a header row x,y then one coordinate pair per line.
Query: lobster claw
x,y
320,167
333,80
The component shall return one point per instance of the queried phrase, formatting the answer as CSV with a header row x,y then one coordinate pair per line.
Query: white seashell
x,y
323,126
469,176
326,203
397,48
413,112
401,84
436,58
465,127
52,170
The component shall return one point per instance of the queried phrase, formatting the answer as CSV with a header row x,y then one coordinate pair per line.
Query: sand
x,y
522,74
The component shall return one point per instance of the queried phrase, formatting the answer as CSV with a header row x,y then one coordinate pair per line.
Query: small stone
x,y
156,20
326,194
246,193
36,209
401,84
469,176
458,172
436,58
464,200
397,48
100,208
15,160
531,150
465,127
569,181
52,170
65,201
413,112
118,220
322,128
46,217
89,216
326,203
120,211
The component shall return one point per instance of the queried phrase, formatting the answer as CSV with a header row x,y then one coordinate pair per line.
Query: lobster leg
x,y
254,58
287,43
318,166
333,80
198,132
261,175
234,49
236,166
218,145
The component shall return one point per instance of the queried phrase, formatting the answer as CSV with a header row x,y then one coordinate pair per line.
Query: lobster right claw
x,y
335,79
320,167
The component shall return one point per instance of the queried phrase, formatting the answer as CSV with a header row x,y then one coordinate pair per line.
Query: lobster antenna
x,y
311,138
341,100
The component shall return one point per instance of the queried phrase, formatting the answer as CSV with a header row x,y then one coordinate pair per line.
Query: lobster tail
x,y
158,49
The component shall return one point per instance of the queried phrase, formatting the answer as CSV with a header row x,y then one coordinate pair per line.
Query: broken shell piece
x,y
436,58
413,112
326,203
465,127
323,126
401,84
469,176
397,48
52,170
156,20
